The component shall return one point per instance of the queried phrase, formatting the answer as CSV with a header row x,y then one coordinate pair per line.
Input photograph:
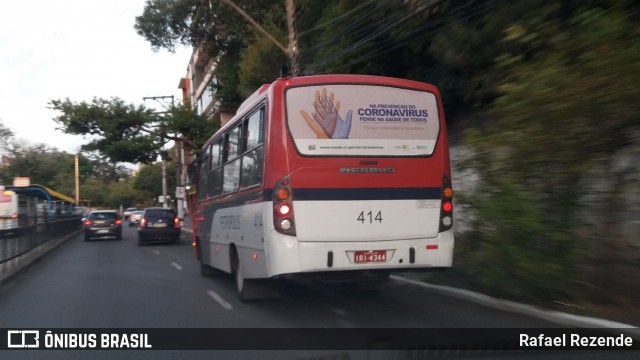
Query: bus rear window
x,y
362,120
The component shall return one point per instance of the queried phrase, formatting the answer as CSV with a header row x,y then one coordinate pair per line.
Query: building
x,y
199,91
199,87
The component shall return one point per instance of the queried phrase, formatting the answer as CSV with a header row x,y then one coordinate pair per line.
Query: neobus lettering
x,y
367,170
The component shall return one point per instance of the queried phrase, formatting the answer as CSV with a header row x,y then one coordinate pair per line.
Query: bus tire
x,y
243,286
252,289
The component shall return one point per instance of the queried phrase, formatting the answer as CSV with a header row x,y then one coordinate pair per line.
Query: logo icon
x,y
20,339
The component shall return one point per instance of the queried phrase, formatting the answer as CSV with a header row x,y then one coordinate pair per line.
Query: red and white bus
x,y
343,177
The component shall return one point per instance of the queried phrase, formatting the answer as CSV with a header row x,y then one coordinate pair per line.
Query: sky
x,y
76,49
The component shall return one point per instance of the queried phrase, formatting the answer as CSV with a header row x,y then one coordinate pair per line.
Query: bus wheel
x,y
252,289
242,285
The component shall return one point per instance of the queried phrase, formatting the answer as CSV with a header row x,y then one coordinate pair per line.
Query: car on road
x,y
128,212
159,224
134,218
102,223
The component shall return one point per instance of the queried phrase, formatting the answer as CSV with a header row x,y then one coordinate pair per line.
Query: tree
x,y
121,193
261,61
148,181
39,162
6,136
218,30
559,112
128,133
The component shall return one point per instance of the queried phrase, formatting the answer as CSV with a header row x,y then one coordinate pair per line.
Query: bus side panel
x,y
240,228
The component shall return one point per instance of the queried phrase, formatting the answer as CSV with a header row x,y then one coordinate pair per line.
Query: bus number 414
x,y
369,217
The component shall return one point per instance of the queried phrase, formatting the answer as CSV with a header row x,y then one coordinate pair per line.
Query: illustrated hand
x,y
343,127
325,122
326,113
314,125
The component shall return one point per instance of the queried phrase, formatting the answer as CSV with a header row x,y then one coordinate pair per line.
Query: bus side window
x,y
253,131
253,159
204,172
215,175
233,143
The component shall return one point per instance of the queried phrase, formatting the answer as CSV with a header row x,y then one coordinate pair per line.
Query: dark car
x,y
159,224
103,223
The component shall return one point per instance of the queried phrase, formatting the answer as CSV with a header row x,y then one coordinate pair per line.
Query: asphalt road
x,y
118,284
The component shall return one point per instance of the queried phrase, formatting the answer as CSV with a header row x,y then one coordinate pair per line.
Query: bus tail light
x,y
283,208
446,210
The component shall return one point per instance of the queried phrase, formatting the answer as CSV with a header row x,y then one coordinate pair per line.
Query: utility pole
x,y
164,165
292,50
77,178
164,183
294,54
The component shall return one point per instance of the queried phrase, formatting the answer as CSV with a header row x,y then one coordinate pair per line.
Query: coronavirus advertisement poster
x,y
362,120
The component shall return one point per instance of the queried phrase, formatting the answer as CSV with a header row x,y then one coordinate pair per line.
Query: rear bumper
x,y
167,234
288,255
103,232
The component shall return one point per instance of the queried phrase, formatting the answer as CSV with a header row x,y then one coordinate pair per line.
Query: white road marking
x,y
219,300
156,252
176,265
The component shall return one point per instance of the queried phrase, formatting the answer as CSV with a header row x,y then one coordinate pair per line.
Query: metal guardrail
x,y
17,241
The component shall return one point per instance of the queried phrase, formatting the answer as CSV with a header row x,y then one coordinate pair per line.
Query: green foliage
x,y
100,181
227,74
6,136
39,162
167,23
118,130
128,133
121,193
218,29
261,60
110,195
571,103
148,181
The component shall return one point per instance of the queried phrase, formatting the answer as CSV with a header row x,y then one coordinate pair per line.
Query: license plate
x,y
160,225
102,231
370,256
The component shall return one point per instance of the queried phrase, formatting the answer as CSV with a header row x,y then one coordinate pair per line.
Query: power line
x,y
329,22
357,27
364,57
384,27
